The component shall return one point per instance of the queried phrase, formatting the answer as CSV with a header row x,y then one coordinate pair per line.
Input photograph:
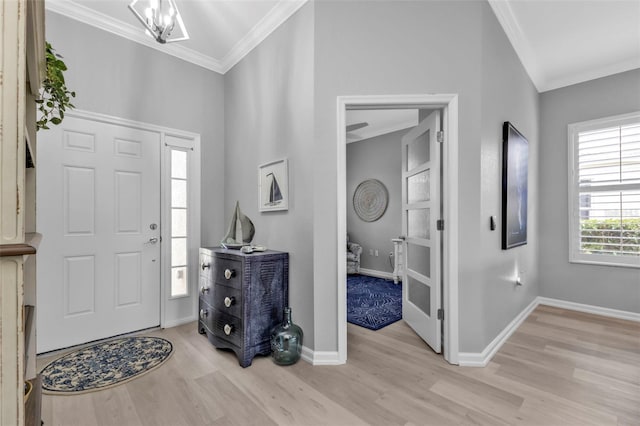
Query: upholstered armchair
x,y
353,257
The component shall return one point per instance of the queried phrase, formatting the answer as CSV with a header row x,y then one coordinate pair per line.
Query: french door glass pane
x,y
418,151
419,295
419,259
418,187
418,223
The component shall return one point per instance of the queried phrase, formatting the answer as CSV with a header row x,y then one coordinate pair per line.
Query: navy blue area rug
x,y
372,302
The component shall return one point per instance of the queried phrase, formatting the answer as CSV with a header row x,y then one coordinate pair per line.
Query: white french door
x,y
421,283
98,201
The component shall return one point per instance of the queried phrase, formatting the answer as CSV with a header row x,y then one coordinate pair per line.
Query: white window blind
x,y
604,187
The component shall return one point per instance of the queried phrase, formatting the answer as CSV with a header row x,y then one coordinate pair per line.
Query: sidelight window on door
x,y
179,203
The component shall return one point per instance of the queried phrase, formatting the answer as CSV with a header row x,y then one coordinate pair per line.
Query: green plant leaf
x,y
54,97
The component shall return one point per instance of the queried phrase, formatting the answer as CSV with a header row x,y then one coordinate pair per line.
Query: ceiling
x,y
221,32
560,42
564,42
379,122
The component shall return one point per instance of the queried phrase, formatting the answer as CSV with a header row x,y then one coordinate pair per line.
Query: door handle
x,y
152,240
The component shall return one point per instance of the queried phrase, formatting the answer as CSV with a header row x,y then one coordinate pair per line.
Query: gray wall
x,y
268,116
491,293
376,158
427,47
607,286
115,76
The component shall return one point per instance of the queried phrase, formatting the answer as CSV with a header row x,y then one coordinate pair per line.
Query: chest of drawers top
x,y
231,267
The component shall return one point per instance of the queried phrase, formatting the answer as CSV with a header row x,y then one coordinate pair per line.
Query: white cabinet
x,y
21,68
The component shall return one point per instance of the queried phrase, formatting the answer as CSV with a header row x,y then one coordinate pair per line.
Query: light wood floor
x,y
559,368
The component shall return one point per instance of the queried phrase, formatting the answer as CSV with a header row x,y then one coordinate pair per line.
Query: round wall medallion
x,y
370,200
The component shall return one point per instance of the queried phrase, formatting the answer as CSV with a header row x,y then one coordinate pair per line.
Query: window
x,y
604,191
179,223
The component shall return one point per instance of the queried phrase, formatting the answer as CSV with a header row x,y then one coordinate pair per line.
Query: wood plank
x,y
548,372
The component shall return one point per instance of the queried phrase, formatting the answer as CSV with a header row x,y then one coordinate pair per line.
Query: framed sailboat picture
x,y
273,186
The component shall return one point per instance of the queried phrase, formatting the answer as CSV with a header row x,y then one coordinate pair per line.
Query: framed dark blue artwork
x,y
515,170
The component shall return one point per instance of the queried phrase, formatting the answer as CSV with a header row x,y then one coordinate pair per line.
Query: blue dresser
x,y
242,297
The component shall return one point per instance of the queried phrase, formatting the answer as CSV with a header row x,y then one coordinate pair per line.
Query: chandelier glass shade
x,y
161,18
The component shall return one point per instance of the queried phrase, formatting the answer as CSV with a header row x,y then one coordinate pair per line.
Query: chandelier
x,y
161,18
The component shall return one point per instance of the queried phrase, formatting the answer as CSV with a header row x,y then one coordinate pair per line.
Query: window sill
x,y
605,263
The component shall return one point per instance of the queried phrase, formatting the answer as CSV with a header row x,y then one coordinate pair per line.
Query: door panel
x,y
421,210
98,194
79,285
79,203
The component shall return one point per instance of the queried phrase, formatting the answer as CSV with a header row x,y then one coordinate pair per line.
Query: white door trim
x,y
449,103
182,313
194,203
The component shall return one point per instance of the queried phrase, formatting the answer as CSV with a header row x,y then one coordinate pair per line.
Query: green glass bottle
x,y
286,341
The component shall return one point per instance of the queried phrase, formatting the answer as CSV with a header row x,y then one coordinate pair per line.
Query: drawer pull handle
x,y
204,289
203,314
205,266
228,273
228,329
228,301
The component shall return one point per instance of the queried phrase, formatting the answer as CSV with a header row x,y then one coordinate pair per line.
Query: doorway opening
x,y
445,315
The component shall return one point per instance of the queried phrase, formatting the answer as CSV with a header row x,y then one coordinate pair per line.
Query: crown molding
x,y
269,23
104,22
575,78
513,30
282,11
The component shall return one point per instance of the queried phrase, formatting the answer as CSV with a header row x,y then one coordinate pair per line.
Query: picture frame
x,y
515,172
273,186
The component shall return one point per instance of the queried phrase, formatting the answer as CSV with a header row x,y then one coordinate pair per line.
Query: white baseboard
x,y
179,321
590,309
481,359
307,355
377,274
320,357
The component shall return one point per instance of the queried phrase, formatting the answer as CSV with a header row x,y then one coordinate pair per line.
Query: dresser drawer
x,y
228,300
227,272
227,327
205,313
206,265
205,288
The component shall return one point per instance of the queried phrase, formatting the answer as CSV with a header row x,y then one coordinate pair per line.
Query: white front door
x,y
421,295
98,208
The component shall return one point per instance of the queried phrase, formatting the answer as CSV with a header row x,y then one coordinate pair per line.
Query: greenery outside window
x,y
604,191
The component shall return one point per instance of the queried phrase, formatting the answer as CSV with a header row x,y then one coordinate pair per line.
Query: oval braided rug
x,y
105,364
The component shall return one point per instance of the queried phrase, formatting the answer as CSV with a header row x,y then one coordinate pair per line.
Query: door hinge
x,y
440,224
440,314
440,136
